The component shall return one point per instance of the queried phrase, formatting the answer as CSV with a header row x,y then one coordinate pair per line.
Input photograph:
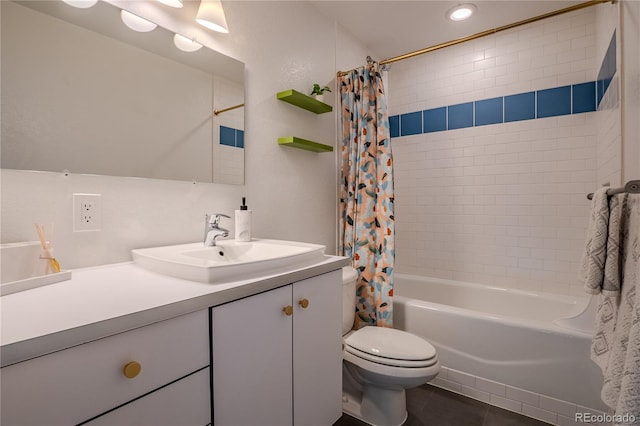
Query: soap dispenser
x,y
243,222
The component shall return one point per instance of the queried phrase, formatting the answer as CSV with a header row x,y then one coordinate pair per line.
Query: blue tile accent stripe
x,y
584,97
411,124
240,138
489,111
552,102
231,137
394,126
460,116
435,120
227,136
564,100
520,107
607,69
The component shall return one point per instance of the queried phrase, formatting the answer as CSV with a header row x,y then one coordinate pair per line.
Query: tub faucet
x,y
212,229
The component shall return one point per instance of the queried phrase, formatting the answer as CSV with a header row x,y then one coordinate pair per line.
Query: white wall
x,y
630,22
286,45
292,192
608,122
618,118
500,204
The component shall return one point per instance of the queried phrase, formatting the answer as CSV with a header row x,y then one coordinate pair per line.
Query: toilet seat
x,y
387,346
390,361
391,372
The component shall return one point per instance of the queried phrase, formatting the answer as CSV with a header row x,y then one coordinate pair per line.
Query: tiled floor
x,y
431,406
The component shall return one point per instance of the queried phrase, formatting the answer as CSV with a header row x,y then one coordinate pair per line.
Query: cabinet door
x,y
317,350
252,361
185,403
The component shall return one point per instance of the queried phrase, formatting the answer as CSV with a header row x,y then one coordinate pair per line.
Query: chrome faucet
x,y
212,229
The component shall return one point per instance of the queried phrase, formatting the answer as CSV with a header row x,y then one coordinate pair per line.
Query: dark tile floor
x,y
432,406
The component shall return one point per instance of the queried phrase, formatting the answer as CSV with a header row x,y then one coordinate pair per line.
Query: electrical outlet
x,y
87,212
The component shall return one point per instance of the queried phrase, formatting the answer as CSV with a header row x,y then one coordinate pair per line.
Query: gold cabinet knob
x,y
304,303
131,369
288,310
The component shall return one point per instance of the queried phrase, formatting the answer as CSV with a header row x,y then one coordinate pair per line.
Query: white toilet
x,y
379,364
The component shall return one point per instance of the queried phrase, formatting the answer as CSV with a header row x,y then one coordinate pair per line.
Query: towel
x,y
595,252
611,268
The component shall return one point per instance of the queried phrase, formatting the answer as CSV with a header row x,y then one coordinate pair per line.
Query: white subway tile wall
x,y
501,204
541,407
609,161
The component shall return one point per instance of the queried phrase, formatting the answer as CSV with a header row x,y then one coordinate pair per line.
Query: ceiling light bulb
x,y
211,15
185,43
136,23
81,4
461,12
172,3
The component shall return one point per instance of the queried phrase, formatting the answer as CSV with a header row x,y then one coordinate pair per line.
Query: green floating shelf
x,y
303,101
300,143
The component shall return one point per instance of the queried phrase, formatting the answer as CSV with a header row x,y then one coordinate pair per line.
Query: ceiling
x,y
390,28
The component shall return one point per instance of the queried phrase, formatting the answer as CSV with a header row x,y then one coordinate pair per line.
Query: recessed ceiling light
x,y
461,12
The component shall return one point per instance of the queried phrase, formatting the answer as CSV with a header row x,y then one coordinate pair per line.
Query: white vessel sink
x,y
229,260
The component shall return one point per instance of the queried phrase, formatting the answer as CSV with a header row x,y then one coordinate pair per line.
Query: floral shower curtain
x,y
366,228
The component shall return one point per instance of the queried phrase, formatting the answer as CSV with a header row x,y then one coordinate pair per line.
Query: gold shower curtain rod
x,y
220,111
488,32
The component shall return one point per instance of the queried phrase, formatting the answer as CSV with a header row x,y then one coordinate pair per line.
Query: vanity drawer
x,y
185,403
78,383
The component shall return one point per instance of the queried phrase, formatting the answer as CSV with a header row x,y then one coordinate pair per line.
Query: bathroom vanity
x,y
120,344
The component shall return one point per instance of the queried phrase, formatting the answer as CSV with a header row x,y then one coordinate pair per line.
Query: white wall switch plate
x,y
87,212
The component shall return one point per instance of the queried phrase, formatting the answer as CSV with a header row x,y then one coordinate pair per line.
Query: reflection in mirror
x,y
84,93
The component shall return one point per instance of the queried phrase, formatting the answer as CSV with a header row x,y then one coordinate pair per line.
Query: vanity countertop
x,y
101,301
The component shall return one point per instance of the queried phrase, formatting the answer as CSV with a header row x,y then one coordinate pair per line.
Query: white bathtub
x,y
507,336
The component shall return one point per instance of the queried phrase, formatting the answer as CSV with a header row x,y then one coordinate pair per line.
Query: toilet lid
x,y
390,343
423,363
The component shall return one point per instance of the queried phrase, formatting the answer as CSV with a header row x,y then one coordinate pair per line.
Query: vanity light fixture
x,y
172,3
461,12
81,4
186,44
137,23
211,15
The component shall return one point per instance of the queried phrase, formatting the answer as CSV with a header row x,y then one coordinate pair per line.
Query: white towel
x,y
615,347
595,252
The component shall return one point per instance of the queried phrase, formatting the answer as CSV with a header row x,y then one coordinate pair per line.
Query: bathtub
x,y
528,340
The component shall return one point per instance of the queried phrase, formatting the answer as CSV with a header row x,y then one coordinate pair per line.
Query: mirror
x,y
84,93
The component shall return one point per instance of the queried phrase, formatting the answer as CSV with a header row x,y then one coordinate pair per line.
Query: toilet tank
x,y
349,278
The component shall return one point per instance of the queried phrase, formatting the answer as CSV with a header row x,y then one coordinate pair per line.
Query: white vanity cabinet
x,y
277,356
81,383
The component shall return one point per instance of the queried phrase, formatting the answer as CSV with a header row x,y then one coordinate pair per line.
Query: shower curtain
x,y
366,222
